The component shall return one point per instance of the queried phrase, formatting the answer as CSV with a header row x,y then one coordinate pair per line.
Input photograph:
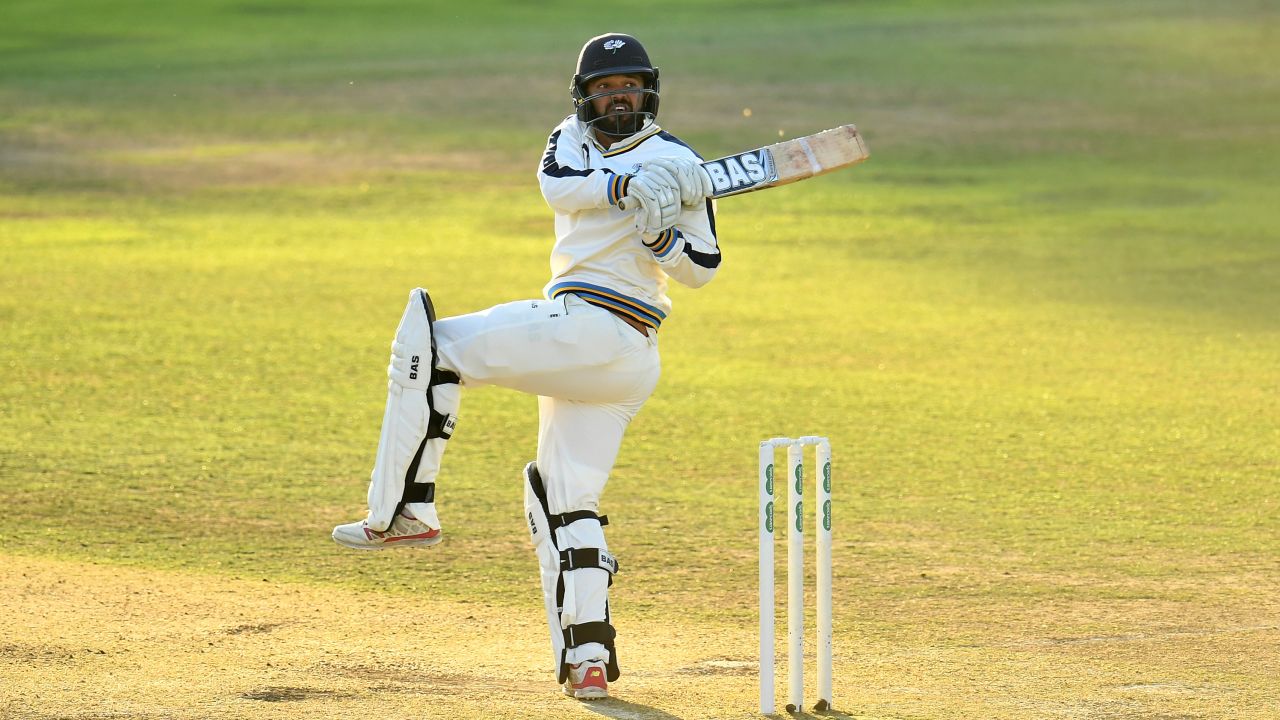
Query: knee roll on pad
x,y
422,402
566,544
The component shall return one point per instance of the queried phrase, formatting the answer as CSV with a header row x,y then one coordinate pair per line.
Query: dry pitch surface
x,y
92,641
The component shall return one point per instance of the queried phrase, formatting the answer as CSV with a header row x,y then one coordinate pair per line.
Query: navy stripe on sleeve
x,y
706,260
555,169
710,261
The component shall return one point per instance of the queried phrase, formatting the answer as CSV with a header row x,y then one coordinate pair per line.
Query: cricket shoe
x,y
586,681
405,531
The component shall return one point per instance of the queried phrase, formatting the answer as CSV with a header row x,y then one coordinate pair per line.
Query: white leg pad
x,y
575,570
407,418
586,590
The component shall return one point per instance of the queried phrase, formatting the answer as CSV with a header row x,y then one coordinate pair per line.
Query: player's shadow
x,y
623,710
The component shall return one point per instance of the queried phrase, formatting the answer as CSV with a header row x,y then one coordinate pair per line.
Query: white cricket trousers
x,y
592,372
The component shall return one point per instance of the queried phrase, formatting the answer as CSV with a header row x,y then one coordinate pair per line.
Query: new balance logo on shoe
x,y
587,681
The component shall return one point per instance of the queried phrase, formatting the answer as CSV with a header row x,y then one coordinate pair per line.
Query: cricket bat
x,y
786,162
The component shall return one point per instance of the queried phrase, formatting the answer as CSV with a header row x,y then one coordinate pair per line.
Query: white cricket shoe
x,y
586,681
405,531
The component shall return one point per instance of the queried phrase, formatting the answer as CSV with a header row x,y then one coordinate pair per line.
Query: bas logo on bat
x,y
739,173
786,162
781,163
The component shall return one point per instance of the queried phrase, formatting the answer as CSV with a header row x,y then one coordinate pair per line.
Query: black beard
x,y
620,124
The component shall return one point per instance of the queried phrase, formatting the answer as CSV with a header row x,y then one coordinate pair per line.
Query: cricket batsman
x,y
632,210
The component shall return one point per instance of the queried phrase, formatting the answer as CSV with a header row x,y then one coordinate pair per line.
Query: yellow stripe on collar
x,y
631,145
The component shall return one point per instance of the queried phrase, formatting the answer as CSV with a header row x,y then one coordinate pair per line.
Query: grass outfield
x,y
1039,325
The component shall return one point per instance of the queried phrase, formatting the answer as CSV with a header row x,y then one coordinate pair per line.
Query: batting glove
x,y
657,197
694,182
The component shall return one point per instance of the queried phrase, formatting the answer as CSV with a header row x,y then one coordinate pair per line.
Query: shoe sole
x,y
404,542
588,693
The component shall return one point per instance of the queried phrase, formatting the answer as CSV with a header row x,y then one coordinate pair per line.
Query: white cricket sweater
x,y
599,255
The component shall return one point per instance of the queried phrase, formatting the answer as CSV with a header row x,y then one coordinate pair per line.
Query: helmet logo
x,y
614,45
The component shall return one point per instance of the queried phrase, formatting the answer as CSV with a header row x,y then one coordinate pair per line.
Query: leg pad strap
x,y
559,521
575,558
598,632
578,558
440,376
439,426
418,492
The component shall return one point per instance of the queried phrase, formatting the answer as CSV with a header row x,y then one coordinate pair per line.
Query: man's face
x,y
617,109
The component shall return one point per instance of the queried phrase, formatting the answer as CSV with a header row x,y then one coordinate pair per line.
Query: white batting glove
x,y
671,196
658,199
694,182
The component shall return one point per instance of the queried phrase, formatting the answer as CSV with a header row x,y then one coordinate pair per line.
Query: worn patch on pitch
x,y
254,628
722,667
287,694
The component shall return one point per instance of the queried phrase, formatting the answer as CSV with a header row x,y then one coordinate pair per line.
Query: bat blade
x,y
787,161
